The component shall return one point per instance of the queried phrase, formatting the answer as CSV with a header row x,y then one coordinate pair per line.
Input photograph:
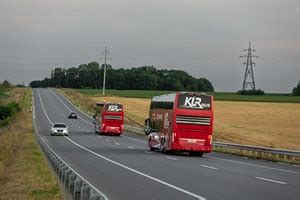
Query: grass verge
x,y
24,173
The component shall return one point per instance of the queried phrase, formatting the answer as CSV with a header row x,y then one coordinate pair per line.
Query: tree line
x,y
141,78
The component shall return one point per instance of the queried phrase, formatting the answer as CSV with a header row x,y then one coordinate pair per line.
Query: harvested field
x,y
275,125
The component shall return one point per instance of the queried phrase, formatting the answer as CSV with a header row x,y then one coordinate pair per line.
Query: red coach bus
x,y
181,121
109,118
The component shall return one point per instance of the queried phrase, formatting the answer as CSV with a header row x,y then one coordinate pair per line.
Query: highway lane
x,y
216,176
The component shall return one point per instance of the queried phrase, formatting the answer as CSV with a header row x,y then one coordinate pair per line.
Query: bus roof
x,y
171,97
165,98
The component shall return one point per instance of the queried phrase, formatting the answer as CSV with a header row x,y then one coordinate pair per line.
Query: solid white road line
x,y
44,108
228,160
69,107
43,139
209,167
140,173
171,158
131,169
270,180
253,165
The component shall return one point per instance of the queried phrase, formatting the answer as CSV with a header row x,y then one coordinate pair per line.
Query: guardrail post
x,y
66,183
72,179
94,195
85,192
77,188
62,175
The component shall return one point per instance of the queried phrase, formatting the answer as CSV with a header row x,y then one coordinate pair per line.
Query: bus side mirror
x,y
148,129
94,122
147,122
94,116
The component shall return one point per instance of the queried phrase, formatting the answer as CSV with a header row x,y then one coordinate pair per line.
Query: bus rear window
x,y
113,107
190,101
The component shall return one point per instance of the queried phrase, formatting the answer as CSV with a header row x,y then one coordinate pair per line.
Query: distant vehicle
x,y
59,129
181,121
109,118
72,115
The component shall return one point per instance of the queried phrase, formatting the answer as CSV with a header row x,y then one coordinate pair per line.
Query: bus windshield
x,y
114,107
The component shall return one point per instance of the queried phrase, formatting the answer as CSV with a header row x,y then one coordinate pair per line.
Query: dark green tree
x,y
296,90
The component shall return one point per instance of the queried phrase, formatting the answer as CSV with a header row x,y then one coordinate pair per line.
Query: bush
x,y
251,92
296,90
9,110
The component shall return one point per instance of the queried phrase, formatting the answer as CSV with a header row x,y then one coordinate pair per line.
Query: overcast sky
x,y
202,37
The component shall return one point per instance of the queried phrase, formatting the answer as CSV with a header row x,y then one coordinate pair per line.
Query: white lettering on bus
x,y
113,108
193,102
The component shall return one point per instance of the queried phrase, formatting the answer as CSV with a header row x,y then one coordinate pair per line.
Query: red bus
x,y
109,118
181,121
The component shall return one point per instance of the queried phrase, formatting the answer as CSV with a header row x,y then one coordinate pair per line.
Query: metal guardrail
x,y
74,186
251,151
134,129
258,152
245,150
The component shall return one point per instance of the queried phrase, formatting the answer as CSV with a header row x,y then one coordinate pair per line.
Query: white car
x,y
59,129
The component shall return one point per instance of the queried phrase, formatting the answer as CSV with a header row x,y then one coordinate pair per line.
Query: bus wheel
x,y
192,153
152,149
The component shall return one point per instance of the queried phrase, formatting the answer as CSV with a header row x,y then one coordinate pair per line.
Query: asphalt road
x,y
124,168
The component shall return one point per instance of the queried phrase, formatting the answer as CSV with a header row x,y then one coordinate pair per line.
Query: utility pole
x,y
104,69
249,75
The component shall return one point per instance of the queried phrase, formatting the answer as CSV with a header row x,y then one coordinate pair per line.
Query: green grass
x,y
3,92
222,96
227,96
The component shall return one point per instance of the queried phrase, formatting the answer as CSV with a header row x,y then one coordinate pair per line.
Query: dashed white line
x,y
117,143
134,139
270,180
128,168
107,140
147,152
209,167
139,172
171,158
99,136
130,148
253,165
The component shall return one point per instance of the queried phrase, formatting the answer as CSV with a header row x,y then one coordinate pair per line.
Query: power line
x,y
46,57
249,75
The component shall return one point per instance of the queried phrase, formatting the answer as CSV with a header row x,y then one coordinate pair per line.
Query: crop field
x,y
224,96
265,124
